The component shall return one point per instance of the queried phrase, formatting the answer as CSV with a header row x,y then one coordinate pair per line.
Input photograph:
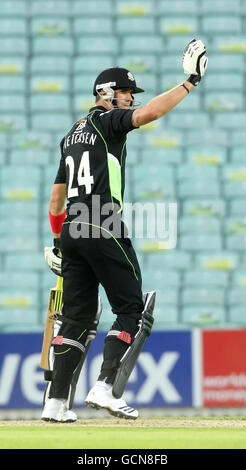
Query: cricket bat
x,y
54,307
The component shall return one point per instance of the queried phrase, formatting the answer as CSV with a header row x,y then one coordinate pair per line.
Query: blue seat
x,y
169,138
154,190
237,207
211,24
161,278
238,137
229,101
13,26
53,102
48,280
234,189
173,259
50,8
50,83
178,42
221,260
225,63
200,242
203,316
102,8
97,45
202,295
48,26
200,225
162,156
183,120
204,207
19,225
138,63
13,84
18,184
18,297
138,8
17,8
190,171
165,316
137,24
2,157
170,63
61,46
19,242
165,295
237,315
199,189
92,64
174,6
148,82
228,43
82,103
12,103
207,155
31,260
4,138
178,25
236,296
14,65
222,81
221,6
237,155
50,65
52,122
236,242
20,319
29,157
205,278
235,225
28,139
232,172
11,47
138,44
215,136
238,278
94,25
83,84
229,121
10,209
19,279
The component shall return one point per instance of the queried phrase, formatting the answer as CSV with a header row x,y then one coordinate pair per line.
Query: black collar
x,y
101,108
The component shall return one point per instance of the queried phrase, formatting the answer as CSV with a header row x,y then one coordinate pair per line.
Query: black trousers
x,y
89,261
86,263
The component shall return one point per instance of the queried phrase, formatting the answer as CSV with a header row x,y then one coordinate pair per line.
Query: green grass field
x,y
148,433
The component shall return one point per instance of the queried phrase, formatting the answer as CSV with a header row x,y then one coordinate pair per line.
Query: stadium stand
x,y
50,53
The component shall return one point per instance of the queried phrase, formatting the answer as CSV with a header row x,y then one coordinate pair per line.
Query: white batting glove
x,y
194,61
53,259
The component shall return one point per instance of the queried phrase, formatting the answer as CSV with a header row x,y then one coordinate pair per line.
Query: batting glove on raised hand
x,y
194,61
52,256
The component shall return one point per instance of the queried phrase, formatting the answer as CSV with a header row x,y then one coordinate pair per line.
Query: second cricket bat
x,y
54,307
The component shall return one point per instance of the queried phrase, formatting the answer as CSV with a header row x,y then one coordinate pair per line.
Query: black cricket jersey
x,y
93,155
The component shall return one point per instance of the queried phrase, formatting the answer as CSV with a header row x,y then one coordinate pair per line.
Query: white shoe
x,y
55,410
100,396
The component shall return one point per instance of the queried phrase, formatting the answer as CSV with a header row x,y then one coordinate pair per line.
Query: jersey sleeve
x,y
115,122
61,173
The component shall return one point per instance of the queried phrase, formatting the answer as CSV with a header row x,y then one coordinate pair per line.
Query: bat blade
x,y
54,307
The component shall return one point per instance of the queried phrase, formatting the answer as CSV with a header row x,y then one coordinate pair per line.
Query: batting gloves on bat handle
x,y
194,61
53,258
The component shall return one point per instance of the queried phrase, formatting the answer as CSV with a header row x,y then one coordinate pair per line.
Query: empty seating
x,y
194,157
53,45
201,316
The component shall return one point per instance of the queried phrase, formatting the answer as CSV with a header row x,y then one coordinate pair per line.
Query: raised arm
x,y
194,64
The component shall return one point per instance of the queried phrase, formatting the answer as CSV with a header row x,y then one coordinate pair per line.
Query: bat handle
x,y
59,284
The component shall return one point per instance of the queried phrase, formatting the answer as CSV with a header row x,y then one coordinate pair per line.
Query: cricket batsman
x,y
92,239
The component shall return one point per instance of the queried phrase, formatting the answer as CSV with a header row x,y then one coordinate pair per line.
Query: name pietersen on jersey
x,y
81,137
